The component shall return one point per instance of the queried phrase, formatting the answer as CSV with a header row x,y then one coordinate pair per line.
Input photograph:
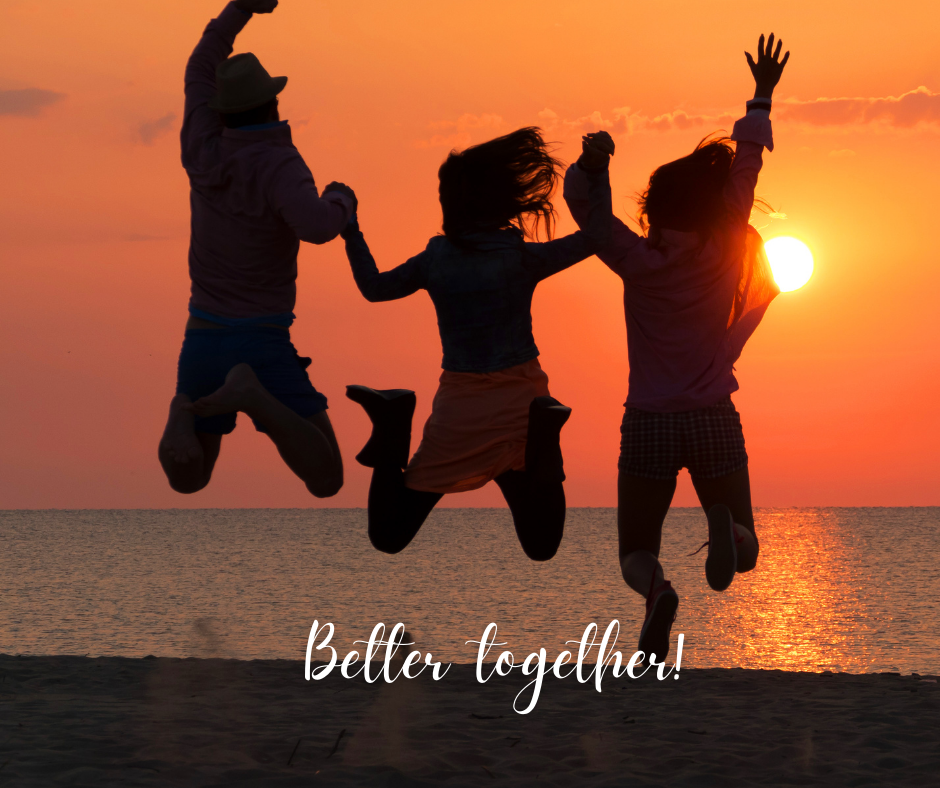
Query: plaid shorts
x,y
708,441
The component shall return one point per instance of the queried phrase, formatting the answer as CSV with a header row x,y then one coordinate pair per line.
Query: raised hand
x,y
256,6
768,68
596,150
342,188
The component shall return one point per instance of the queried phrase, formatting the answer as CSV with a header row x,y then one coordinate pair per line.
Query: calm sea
x,y
836,589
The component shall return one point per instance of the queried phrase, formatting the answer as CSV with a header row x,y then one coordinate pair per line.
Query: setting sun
x,y
791,262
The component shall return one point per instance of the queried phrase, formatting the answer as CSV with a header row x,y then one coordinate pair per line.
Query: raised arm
x,y
627,254
549,258
402,281
753,132
200,122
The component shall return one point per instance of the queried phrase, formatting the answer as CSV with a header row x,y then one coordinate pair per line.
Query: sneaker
x,y
722,561
661,605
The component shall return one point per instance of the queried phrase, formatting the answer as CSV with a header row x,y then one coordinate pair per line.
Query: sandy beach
x,y
205,722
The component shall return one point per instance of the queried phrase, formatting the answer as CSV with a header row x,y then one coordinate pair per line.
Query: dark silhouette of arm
x,y
293,194
402,281
753,132
551,257
200,122
627,253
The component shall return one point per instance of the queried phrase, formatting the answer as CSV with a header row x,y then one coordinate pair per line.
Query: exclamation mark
x,y
679,654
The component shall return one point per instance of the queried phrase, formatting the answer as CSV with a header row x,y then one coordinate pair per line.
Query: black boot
x,y
542,450
391,411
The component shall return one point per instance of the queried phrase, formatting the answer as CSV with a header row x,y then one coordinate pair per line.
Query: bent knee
x,y
385,544
187,486
541,552
325,488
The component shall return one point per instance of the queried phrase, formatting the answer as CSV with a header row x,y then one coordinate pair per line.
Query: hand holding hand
x,y
342,188
596,150
256,6
768,68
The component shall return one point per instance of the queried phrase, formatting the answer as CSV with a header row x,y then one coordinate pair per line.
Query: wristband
x,y
759,103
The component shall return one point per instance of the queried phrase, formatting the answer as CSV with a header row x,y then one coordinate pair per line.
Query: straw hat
x,y
243,84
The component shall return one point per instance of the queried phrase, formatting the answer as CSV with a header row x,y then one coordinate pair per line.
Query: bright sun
x,y
791,262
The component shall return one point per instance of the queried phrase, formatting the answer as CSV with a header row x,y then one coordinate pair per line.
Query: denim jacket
x,y
482,286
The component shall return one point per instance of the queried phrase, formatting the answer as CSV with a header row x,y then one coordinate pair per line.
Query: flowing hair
x,y
688,195
506,182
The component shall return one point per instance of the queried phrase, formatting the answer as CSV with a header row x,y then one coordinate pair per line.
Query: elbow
x,y
319,238
368,292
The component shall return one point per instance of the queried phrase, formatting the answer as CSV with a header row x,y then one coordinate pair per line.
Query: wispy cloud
x,y
150,131
623,120
914,108
27,102
918,108
458,133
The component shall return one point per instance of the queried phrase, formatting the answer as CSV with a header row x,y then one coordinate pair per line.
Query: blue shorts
x,y
209,353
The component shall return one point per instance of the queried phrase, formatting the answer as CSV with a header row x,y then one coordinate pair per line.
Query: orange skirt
x,y
477,428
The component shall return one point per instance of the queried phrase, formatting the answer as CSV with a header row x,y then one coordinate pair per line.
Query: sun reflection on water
x,y
800,609
834,589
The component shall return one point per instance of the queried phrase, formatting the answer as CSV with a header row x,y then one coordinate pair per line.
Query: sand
x,y
204,722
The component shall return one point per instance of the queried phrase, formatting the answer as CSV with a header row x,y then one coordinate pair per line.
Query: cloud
x,y
623,120
151,130
914,108
457,132
27,102
467,121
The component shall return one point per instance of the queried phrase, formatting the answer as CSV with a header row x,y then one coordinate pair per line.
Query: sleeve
x,y
752,133
294,195
551,257
402,281
200,122
627,254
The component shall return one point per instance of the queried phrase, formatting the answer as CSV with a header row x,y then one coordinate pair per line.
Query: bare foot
x,y
179,441
236,394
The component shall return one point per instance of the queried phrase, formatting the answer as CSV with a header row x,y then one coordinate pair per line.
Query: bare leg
x,y
642,506
734,491
396,512
538,511
308,446
187,456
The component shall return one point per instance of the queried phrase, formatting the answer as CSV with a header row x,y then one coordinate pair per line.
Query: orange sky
x,y
839,386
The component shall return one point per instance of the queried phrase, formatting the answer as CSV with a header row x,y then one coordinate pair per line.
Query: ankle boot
x,y
390,411
543,459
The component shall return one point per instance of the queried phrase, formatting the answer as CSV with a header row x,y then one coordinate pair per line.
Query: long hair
x,y
508,181
688,194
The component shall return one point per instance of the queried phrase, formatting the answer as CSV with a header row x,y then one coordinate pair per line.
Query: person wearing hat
x,y
253,200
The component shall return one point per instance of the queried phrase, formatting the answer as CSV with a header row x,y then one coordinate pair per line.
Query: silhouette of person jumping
x,y
695,288
253,200
492,417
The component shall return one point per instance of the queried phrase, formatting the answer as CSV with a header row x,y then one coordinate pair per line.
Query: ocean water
x,y
853,590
